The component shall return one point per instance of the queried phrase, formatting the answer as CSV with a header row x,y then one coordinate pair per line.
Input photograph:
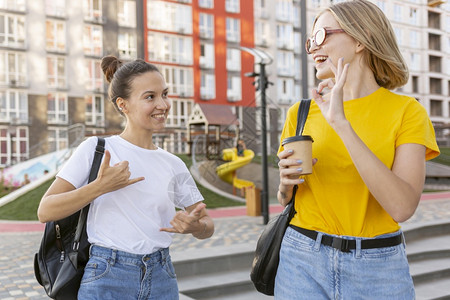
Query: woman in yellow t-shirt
x,y
370,147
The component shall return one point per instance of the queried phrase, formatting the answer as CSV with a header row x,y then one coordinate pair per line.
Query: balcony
x,y
434,3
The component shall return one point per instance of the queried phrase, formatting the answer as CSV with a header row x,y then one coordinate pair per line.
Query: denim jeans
x,y
310,270
113,274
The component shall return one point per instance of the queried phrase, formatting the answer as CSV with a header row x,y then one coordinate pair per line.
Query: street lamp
x,y
264,59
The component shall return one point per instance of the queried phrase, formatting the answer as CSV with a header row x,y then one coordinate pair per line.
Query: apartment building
x,y
52,88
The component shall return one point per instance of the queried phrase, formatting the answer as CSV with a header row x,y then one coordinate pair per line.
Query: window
x,y
126,13
94,75
381,5
285,90
436,86
234,88
398,34
12,30
434,41
55,8
206,26
93,40
207,55
169,16
434,20
13,106
285,36
207,86
13,68
14,146
179,113
397,13
435,63
127,45
285,61
170,48
415,62
284,11
297,69
206,3
233,30
57,139
413,16
17,5
232,6
436,108
179,80
233,59
56,36
260,9
415,84
95,110
57,111
92,10
414,38
262,33
56,72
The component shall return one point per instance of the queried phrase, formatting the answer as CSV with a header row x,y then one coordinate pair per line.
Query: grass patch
x,y
25,207
444,157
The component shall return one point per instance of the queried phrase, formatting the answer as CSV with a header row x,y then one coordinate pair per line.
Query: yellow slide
x,y
227,171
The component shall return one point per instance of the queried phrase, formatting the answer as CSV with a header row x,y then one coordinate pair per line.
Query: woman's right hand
x,y
112,178
290,172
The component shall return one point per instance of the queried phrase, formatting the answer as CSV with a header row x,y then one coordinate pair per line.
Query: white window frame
x,y
57,41
206,26
233,6
93,40
180,112
13,106
91,12
13,68
60,140
206,3
126,13
169,16
170,48
11,150
233,30
56,78
207,58
56,8
179,80
285,36
60,113
234,88
94,75
95,116
285,61
207,86
13,37
127,45
233,59
16,5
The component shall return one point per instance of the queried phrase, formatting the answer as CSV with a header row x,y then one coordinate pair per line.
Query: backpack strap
x,y
303,110
99,150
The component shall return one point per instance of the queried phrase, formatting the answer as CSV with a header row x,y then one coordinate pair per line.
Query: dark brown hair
x,y
120,75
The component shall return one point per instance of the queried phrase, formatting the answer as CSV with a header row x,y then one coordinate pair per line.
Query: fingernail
x,y
290,151
299,169
302,180
299,161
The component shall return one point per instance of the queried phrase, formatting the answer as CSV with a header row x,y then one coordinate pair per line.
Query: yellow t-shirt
x,y
334,198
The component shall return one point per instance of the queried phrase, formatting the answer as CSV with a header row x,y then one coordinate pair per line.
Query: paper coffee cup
x,y
302,147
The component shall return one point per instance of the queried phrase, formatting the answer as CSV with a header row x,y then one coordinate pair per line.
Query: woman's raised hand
x,y
115,177
333,109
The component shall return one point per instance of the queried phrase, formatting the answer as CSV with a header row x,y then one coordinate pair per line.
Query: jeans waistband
x,y
345,245
114,255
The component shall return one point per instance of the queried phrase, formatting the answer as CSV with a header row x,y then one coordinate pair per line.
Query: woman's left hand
x,y
333,109
188,222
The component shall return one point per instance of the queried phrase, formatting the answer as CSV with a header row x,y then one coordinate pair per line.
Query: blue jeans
x,y
310,270
113,274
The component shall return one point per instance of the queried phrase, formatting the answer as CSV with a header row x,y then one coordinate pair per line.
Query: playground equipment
x,y
227,171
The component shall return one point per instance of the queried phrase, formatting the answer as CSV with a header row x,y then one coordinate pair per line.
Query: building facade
x,y
52,89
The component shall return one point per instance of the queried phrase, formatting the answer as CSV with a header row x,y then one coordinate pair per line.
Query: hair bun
x,y
109,65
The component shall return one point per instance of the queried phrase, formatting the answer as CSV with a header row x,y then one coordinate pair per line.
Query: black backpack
x,y
64,250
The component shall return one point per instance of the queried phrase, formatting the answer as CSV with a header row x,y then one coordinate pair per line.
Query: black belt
x,y
347,245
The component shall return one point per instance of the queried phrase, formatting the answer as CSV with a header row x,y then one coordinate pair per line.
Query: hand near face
x,y
333,109
115,177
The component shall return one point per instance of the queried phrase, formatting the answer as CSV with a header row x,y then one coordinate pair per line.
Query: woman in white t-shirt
x,y
132,214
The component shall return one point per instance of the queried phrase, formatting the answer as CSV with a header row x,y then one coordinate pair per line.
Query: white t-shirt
x,y
129,219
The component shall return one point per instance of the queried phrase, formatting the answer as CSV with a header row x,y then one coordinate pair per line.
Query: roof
x,y
212,114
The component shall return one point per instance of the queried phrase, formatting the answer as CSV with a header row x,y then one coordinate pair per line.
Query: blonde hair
x,y
368,25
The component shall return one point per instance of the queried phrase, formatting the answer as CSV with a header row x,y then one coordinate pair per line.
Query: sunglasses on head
x,y
319,37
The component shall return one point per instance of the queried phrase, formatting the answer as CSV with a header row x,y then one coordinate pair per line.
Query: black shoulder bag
x,y
64,249
267,253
